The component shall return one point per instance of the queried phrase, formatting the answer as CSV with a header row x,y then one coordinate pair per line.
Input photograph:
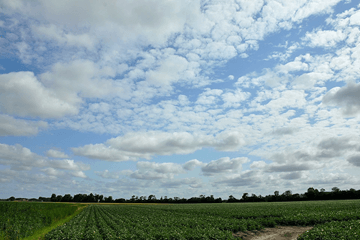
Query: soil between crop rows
x,y
277,233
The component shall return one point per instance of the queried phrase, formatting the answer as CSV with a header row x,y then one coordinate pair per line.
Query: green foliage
x,y
349,230
202,221
22,219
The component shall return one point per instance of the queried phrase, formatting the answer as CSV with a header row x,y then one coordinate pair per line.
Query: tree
x,y
58,198
151,198
109,199
67,198
53,197
232,199
244,196
78,198
288,193
335,189
276,193
322,190
12,198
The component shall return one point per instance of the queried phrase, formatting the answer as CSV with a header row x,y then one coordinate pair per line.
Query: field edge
x,y
40,234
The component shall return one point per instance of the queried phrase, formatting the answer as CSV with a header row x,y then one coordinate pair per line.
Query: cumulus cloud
x,y
348,98
81,78
192,164
291,167
234,99
284,131
326,38
132,146
354,160
22,94
258,164
107,174
21,158
171,168
10,126
224,165
292,176
177,183
246,178
79,174
127,20
56,154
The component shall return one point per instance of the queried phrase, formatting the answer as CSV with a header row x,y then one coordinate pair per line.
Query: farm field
x,y
22,219
332,219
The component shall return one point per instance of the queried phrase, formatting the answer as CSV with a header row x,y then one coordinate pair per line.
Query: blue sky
x,y
178,98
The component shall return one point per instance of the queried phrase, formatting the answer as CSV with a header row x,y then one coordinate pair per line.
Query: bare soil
x,y
277,233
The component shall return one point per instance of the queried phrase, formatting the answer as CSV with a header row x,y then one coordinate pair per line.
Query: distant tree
x,y
79,197
109,199
97,197
244,196
101,197
288,193
151,198
335,189
322,190
53,197
232,199
67,198
58,198
12,198
90,198
276,193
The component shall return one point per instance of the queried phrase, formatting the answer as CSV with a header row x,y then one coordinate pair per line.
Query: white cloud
x,y
79,174
107,174
234,99
346,97
354,160
21,158
53,172
224,165
324,38
190,165
258,164
246,178
209,96
56,154
82,78
23,95
10,126
178,183
132,146
165,168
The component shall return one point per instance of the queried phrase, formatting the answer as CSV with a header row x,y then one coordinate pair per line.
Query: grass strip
x,y
40,234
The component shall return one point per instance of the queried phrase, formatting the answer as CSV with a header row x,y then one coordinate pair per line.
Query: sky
x,y
178,98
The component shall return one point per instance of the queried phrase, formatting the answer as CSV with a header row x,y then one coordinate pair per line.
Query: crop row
x,y
349,230
202,221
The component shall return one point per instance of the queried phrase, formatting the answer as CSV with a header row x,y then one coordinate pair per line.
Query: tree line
x,y
311,194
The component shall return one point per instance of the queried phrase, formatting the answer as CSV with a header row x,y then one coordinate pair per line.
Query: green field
x,y
332,220
22,219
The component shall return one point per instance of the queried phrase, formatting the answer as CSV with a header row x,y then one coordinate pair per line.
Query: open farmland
x,y
210,221
23,219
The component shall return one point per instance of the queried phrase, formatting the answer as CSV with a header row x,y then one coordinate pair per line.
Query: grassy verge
x,y
40,234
